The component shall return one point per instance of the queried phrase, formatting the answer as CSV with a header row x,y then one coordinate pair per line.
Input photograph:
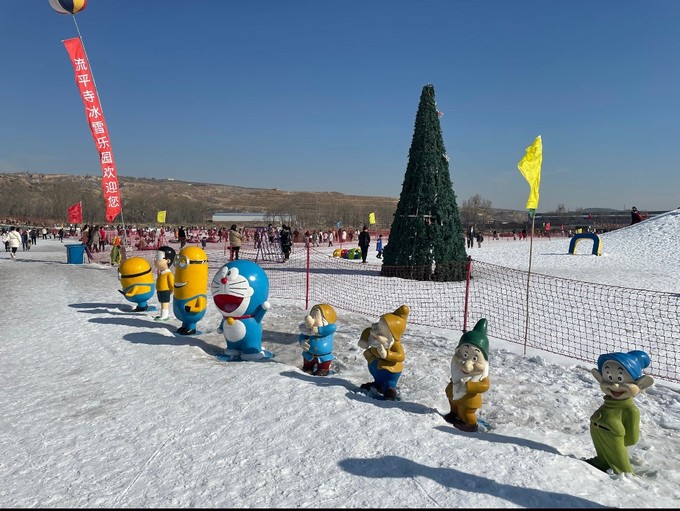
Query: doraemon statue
x,y
240,290
189,297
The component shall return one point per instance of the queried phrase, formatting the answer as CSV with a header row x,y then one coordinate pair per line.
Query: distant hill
x,y
46,197
35,198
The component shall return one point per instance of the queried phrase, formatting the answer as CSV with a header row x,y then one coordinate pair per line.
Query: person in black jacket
x,y
364,243
286,241
635,216
182,236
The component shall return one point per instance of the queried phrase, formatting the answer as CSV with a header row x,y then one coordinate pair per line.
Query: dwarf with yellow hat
x,y
316,339
383,352
469,378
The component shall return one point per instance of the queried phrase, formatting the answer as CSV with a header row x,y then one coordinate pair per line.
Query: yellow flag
x,y
160,217
530,167
371,218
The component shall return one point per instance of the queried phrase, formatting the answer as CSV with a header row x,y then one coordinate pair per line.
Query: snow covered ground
x,y
101,407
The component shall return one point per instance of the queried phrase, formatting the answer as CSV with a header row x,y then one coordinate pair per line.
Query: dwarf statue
x,y
316,339
469,378
616,424
381,343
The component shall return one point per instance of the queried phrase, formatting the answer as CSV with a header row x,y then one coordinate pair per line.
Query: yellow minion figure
x,y
137,281
190,291
384,353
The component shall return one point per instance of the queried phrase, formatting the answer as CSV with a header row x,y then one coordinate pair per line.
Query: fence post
x,y
467,292
307,287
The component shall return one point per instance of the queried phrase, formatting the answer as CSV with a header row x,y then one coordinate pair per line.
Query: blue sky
x,y
315,95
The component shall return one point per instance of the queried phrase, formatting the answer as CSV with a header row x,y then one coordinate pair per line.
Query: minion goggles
x,y
132,276
184,261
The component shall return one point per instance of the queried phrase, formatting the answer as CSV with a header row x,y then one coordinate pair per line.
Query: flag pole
x,y
530,167
96,91
531,244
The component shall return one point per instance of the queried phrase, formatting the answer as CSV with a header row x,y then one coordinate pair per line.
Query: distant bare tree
x,y
26,196
59,197
475,210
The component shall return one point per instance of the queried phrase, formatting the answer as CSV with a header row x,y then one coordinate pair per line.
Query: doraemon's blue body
x,y
240,290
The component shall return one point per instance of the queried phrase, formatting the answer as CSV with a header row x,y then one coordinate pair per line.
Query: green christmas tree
x,y
426,238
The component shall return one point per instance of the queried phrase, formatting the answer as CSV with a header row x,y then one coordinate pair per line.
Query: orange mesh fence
x,y
579,320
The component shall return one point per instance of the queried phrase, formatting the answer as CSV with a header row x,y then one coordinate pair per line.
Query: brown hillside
x,y
43,198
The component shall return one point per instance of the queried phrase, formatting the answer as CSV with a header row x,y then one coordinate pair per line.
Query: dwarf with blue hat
x,y
469,378
616,424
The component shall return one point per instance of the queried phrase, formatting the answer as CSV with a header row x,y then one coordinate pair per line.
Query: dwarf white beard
x,y
460,380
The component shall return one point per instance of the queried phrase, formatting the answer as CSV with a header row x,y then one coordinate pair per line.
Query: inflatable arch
x,y
597,245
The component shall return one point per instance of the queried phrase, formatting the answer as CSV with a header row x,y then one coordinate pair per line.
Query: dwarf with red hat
x,y
469,378
384,353
616,424
316,339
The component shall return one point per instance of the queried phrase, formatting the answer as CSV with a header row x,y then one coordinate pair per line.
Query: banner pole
x,y
96,90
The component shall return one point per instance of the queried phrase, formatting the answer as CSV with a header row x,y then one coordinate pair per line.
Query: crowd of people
x,y
14,237
98,238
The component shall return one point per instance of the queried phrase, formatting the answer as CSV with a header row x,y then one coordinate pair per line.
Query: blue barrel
x,y
75,253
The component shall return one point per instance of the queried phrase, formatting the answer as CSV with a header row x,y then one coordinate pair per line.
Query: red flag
x,y
95,118
75,214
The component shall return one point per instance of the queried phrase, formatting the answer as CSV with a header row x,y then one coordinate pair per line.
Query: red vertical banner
x,y
95,118
75,214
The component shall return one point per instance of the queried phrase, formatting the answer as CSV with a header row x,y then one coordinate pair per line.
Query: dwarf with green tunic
x,y
616,424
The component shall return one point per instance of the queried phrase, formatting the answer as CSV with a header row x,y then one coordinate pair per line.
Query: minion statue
x,y
190,291
137,281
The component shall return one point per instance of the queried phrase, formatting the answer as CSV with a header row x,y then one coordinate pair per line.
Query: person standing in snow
x,y
635,216
25,240
181,236
14,241
379,246
286,241
85,240
235,240
364,243
471,236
